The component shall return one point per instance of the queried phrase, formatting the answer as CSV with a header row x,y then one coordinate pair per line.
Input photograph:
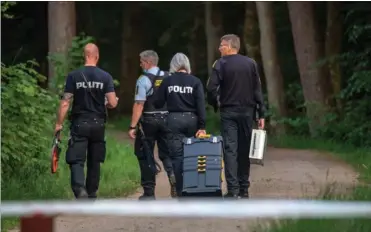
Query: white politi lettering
x,y
180,89
91,84
176,89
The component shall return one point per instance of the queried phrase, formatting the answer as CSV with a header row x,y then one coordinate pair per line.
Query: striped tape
x,y
194,208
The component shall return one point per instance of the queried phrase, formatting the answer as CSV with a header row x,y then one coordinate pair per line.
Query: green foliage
x,y
4,9
63,64
350,125
353,125
27,112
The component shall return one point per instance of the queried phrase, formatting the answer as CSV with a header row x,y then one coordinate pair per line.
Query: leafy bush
x,y
353,125
27,112
4,9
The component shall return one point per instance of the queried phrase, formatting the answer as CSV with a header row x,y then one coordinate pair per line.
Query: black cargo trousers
x,y
155,129
181,125
87,142
236,130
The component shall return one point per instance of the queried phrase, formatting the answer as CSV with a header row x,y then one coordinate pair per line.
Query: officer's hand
x,y
58,127
200,132
261,123
132,133
106,100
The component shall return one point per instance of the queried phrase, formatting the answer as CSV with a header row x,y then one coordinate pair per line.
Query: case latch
x,y
201,163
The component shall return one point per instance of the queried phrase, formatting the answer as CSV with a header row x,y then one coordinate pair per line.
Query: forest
x,y
313,58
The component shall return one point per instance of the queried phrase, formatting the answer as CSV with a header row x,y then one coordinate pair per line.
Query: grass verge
x,y
119,177
360,158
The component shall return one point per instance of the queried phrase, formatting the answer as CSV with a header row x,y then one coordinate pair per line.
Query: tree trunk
x,y
193,46
334,29
251,31
217,19
131,47
61,30
213,31
251,36
307,52
210,38
272,70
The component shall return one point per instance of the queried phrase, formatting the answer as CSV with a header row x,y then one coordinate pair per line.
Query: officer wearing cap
x,y
89,87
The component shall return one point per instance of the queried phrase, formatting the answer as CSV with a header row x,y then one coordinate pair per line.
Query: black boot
x,y
231,195
82,194
244,194
146,197
92,196
148,181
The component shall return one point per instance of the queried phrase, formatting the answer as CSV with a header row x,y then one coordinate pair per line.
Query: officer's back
x,y
239,81
183,92
180,92
184,95
88,87
236,79
91,84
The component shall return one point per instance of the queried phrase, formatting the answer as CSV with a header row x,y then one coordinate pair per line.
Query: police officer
x,y
237,80
88,87
153,122
184,95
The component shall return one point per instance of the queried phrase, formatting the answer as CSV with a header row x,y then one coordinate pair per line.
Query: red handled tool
x,y
56,150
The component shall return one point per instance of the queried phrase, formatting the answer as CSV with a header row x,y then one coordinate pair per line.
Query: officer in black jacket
x,y
88,87
153,124
184,95
235,81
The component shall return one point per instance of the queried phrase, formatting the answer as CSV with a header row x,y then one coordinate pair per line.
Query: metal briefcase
x,y
258,146
202,166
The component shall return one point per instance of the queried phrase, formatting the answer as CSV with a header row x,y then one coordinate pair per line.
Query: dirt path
x,y
287,174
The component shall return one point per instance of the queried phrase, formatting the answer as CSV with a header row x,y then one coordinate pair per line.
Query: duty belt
x,y
155,112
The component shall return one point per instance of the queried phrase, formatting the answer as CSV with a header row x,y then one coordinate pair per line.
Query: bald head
x,y
91,50
91,53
